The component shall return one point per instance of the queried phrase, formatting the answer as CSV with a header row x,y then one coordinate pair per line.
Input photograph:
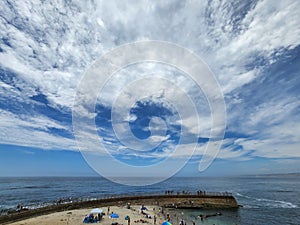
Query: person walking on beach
x,y
154,219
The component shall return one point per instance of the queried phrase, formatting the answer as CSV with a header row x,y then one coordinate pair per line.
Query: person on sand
x,y
154,219
181,222
86,219
91,218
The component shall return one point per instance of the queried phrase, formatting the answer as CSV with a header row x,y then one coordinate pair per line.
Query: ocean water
x,y
265,199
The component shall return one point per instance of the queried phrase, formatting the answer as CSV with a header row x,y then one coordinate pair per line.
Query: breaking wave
x,y
253,202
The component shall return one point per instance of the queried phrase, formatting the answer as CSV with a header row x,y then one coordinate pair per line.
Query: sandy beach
x,y
74,217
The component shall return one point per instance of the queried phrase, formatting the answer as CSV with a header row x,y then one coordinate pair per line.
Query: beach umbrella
x,y
96,210
114,215
166,223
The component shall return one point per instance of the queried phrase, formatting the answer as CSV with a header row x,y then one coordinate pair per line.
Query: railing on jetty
x,y
151,194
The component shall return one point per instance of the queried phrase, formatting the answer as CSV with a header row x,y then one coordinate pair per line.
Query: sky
x,y
149,114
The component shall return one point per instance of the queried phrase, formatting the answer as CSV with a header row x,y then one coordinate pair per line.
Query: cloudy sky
x,y
147,110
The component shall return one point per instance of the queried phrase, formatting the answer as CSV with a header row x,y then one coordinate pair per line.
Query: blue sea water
x,y
265,199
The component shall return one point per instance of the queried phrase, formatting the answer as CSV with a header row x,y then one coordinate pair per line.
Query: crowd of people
x,y
93,219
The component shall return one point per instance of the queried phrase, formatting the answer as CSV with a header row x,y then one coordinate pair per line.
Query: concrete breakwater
x,y
178,200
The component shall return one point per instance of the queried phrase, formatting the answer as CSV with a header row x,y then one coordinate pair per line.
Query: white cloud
x,y
52,44
33,132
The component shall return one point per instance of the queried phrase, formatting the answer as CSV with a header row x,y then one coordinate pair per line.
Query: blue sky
x,y
251,47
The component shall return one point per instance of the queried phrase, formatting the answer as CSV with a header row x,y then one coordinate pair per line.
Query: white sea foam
x,y
263,202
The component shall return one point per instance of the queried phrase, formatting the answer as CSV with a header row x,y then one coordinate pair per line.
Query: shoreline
x,y
168,200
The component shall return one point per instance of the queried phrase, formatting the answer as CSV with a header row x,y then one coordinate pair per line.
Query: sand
x,y
74,217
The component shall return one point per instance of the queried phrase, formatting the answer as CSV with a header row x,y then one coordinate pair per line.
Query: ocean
x,y
265,199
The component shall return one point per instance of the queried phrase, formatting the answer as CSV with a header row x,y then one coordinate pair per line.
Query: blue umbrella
x,y
166,223
114,215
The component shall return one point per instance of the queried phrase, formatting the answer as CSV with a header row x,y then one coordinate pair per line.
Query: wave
x,y
265,203
283,191
29,187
